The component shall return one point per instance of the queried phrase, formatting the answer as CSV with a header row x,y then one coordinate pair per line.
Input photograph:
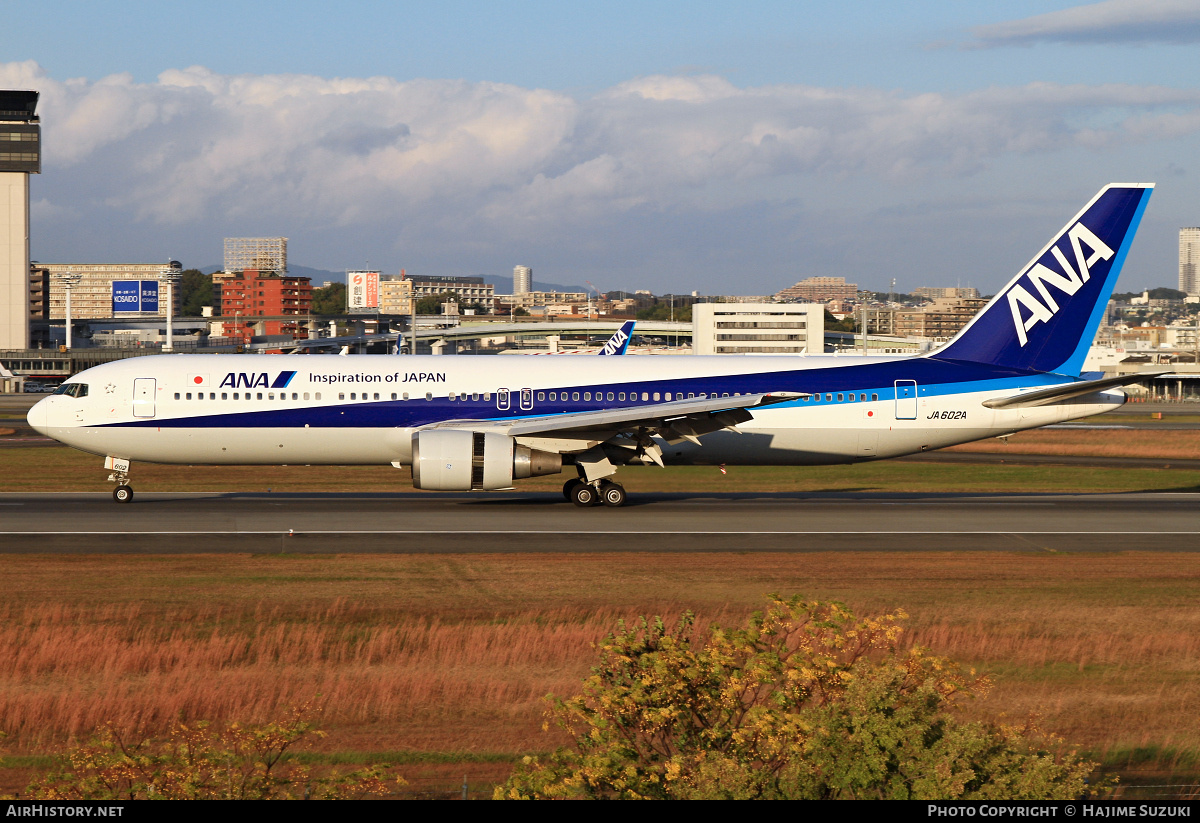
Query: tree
x,y
846,324
805,701
663,310
329,300
433,303
1160,293
195,292
202,761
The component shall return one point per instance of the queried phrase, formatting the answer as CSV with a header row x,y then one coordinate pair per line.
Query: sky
x,y
665,146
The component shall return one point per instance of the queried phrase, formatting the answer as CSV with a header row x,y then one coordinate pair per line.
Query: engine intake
x,y
457,460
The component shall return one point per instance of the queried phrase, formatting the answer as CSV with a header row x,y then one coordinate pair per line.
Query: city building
x,y
469,290
1189,260
20,156
1179,336
529,299
939,321
522,279
254,303
395,294
758,328
261,254
97,295
818,290
39,292
934,292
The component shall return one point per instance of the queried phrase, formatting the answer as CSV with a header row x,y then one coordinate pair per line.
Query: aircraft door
x,y
906,399
502,399
526,399
143,397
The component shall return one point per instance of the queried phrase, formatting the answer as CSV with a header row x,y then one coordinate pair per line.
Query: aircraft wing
x,y
674,421
1057,394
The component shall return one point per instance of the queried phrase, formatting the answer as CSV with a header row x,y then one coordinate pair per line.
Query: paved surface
x,y
533,522
536,522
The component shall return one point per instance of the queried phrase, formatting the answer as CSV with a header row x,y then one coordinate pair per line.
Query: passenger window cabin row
x,y
486,397
842,397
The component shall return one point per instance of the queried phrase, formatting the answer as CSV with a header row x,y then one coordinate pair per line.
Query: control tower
x,y
20,156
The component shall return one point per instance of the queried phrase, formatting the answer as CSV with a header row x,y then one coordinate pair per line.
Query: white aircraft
x,y
476,423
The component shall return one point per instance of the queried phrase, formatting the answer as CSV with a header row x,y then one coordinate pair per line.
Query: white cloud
x,y
429,163
1113,21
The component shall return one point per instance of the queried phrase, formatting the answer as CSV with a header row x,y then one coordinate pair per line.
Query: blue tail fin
x,y
619,342
1046,317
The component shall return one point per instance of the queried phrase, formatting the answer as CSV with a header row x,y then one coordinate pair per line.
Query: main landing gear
x,y
123,493
584,494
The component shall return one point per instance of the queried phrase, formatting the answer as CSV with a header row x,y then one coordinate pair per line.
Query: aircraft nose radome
x,y
39,416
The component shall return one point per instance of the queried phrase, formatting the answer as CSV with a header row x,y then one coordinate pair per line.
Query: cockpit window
x,y
72,389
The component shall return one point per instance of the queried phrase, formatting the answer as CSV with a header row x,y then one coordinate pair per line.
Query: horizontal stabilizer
x,y
1057,394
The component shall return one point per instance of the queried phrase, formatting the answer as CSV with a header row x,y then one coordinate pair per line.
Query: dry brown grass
x,y
1168,443
452,654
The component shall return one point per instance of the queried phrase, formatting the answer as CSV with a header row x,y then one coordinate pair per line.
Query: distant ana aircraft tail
x,y
619,342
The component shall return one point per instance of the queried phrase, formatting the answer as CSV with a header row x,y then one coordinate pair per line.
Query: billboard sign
x,y
150,295
134,296
126,295
362,291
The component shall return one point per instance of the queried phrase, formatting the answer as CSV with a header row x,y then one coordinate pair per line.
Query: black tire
x,y
569,487
123,494
612,495
584,496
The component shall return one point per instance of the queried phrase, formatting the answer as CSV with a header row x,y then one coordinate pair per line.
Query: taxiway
x,y
540,522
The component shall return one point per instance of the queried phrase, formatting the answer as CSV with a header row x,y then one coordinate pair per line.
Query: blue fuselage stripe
x,y
934,378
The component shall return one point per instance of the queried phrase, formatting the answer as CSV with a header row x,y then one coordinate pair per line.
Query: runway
x,y
543,522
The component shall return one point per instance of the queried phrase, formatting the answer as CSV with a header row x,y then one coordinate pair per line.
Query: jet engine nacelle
x,y
457,460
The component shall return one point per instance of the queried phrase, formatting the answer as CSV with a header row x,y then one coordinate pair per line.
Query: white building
x,y
1177,336
758,328
522,279
20,156
1189,260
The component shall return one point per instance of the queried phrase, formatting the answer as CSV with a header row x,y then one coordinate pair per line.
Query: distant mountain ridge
x,y
502,283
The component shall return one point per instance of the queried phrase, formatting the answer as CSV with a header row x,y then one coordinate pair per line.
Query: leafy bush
x,y
805,701
200,761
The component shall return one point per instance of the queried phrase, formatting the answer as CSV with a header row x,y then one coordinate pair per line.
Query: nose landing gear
x,y
123,493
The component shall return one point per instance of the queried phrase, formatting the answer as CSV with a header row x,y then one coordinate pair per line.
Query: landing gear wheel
x,y
584,495
612,495
569,487
123,494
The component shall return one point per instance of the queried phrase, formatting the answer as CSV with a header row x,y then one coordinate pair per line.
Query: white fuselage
x,y
328,409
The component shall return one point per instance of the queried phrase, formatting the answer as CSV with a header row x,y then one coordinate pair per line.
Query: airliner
x,y
618,344
473,423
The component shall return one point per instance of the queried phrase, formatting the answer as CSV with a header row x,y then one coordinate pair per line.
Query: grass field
x,y
440,663
1167,444
58,468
